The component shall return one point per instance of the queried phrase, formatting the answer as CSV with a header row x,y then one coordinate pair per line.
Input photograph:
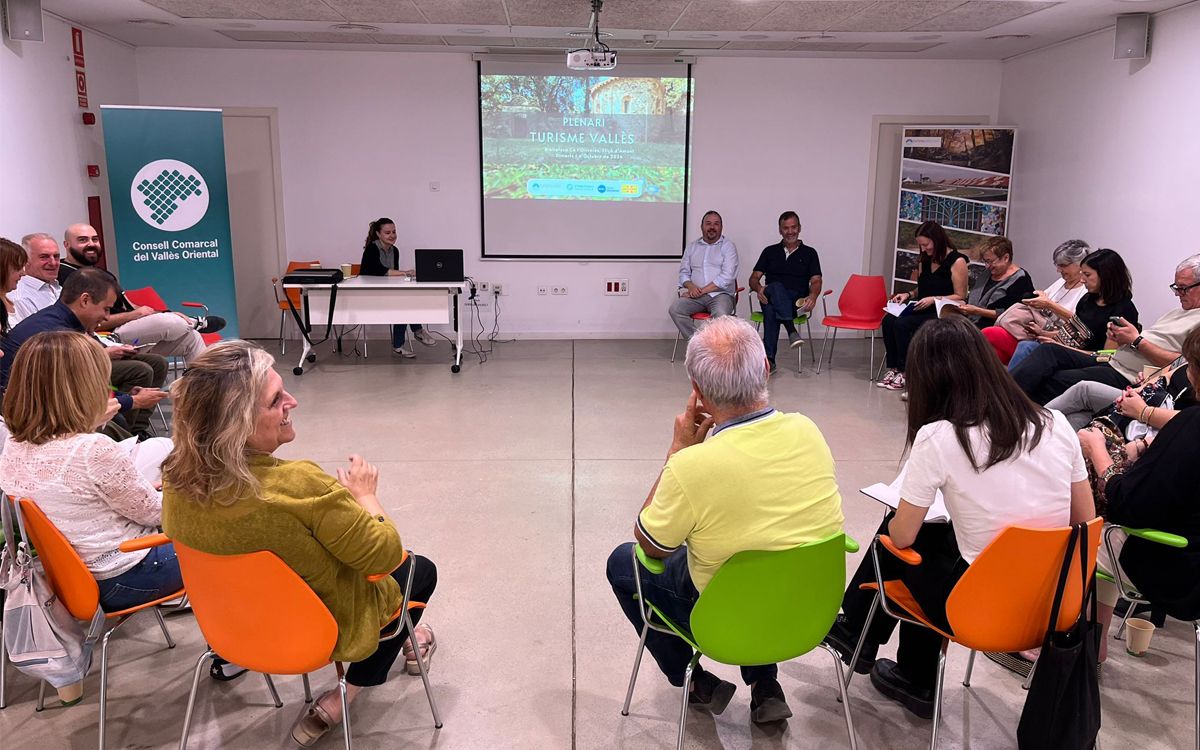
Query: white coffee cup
x,y
346,267
1137,635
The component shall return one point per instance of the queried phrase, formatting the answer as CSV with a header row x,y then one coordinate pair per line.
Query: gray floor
x,y
518,477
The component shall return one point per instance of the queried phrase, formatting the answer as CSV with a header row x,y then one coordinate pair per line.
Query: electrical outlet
x,y
435,187
497,288
484,287
541,290
558,290
616,287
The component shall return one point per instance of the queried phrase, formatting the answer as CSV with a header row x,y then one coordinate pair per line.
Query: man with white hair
x,y
1158,345
39,287
711,501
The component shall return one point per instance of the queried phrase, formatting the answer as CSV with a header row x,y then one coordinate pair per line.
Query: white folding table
x,y
380,300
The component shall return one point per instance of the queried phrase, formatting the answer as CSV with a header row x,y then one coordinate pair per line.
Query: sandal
x,y
428,646
312,724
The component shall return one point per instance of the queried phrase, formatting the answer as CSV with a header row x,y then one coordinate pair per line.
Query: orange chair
x,y
705,316
243,603
861,309
1001,603
292,294
74,585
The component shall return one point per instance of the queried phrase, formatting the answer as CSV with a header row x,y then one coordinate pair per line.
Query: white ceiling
x,y
923,29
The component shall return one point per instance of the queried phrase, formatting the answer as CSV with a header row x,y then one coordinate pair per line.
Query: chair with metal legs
x,y
860,308
1129,592
760,608
258,613
805,319
1001,603
74,584
294,294
705,316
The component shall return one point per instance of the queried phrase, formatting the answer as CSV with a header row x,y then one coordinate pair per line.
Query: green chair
x,y
760,608
756,317
1128,591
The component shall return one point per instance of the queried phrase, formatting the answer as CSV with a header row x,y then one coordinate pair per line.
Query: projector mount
x,y
596,55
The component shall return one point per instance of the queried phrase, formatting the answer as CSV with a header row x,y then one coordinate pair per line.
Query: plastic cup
x,y
1137,636
346,270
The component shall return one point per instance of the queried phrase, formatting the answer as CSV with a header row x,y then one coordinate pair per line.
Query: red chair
x,y
705,316
861,304
148,297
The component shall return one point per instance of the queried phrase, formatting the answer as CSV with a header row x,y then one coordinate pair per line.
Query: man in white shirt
x,y
707,276
39,287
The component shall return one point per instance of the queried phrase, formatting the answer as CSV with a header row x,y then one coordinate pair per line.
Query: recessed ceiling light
x,y
754,37
148,22
355,27
471,31
588,34
925,37
701,36
1008,36
810,37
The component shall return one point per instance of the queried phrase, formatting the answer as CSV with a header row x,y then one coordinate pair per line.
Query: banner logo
x,y
170,195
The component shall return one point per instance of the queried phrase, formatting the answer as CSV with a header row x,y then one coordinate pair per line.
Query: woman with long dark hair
x,y
12,267
941,274
381,257
1084,331
997,459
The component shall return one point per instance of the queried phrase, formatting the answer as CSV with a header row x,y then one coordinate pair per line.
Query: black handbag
x,y
1062,708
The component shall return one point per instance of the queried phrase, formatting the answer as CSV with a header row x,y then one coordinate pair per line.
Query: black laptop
x,y
439,265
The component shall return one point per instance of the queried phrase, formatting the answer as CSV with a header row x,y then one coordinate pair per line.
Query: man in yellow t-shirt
x,y
762,480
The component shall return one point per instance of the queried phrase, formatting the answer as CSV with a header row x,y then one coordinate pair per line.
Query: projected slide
x,y
599,138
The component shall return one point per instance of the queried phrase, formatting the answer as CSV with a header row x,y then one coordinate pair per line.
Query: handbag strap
x,y
6,523
1062,584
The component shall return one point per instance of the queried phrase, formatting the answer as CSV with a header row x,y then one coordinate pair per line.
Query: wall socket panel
x,y
497,288
543,290
616,287
558,290
483,286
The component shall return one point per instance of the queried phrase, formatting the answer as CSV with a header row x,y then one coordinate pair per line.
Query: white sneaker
x,y
406,353
424,337
888,377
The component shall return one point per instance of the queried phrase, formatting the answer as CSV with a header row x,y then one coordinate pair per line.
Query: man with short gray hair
x,y
39,287
762,480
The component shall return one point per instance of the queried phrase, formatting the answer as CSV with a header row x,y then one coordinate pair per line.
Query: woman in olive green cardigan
x,y
224,493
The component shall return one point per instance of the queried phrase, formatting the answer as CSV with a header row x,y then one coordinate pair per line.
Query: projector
x,y
585,59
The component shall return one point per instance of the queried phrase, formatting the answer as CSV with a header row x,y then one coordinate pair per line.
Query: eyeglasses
x,y
1182,290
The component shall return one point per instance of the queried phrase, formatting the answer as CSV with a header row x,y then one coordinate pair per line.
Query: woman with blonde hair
x,y
96,492
226,494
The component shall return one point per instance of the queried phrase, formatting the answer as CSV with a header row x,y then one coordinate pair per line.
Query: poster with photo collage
x,y
960,178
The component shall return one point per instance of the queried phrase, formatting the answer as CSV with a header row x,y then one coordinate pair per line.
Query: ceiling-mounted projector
x,y
586,59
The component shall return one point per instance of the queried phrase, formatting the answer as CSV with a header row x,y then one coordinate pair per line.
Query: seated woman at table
x,y
226,494
998,459
381,257
941,273
1006,283
1155,490
1014,341
1084,331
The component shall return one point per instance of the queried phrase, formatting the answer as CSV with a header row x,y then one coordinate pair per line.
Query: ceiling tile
x,y
760,45
479,40
574,14
205,8
723,15
476,12
657,15
899,46
677,43
828,46
275,10
978,15
337,37
378,11
262,36
811,16
407,39
549,42
896,15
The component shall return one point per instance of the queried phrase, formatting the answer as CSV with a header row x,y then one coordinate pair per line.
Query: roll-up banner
x,y
166,175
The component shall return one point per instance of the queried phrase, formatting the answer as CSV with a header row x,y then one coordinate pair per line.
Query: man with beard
x,y
169,333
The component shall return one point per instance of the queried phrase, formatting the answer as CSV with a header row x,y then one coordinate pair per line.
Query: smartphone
x,y
1117,320
142,346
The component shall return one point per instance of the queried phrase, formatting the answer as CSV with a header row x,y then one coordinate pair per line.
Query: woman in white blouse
x,y
998,460
91,488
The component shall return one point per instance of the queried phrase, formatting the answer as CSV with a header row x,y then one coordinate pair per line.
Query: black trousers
x,y
930,583
140,370
898,333
1051,369
373,670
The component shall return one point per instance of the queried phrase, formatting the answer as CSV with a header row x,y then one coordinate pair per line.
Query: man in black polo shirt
x,y
793,273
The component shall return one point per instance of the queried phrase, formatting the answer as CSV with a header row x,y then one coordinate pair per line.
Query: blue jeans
x,y
398,333
155,576
674,594
780,309
1024,349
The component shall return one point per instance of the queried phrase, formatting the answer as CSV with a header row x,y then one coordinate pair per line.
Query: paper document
x,y
889,495
897,308
940,303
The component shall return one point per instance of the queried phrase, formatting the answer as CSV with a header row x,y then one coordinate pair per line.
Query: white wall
x,y
1107,151
46,146
363,133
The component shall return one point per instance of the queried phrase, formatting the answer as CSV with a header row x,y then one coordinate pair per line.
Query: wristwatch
x,y
1136,343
